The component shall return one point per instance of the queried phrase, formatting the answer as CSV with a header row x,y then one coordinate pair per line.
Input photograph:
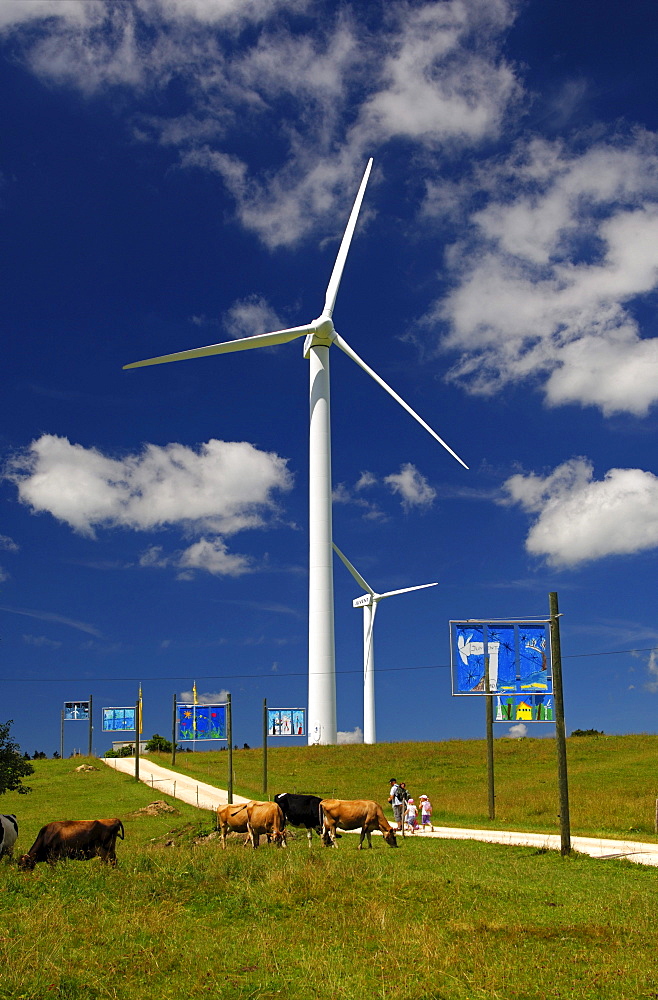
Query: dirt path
x,y
179,786
204,796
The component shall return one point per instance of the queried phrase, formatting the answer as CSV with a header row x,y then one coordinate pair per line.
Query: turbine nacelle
x,y
322,333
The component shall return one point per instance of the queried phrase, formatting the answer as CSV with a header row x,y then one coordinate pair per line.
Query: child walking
x,y
426,812
412,815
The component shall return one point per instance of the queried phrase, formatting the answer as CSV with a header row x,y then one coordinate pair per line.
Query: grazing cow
x,y
350,814
266,817
8,835
79,839
301,810
232,818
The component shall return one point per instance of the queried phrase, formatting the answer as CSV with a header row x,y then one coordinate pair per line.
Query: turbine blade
x,y
336,274
407,590
244,344
355,573
344,346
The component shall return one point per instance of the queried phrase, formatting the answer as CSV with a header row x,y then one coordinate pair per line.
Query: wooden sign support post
x,y
490,741
173,733
265,748
560,730
229,737
137,740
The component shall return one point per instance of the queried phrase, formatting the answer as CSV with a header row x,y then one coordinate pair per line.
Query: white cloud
x,y
4,575
546,282
652,670
411,486
8,544
251,316
408,484
365,480
430,74
98,43
441,78
50,616
41,641
209,554
579,519
518,731
221,487
354,736
14,13
206,698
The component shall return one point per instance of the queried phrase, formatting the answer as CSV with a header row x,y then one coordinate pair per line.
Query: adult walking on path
x,y
396,799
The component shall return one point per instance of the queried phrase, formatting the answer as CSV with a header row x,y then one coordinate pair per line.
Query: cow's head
x,y
279,839
26,863
390,838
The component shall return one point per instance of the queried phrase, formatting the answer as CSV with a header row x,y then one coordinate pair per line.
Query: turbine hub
x,y
324,328
323,334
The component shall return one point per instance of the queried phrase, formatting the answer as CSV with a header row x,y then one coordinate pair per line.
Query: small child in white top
x,y
412,815
426,812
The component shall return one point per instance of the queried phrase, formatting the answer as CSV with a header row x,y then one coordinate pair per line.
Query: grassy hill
x,y
613,780
440,920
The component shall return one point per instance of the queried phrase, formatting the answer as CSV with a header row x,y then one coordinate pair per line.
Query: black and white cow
x,y
8,833
301,810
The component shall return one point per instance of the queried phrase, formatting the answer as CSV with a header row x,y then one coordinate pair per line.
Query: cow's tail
x,y
121,832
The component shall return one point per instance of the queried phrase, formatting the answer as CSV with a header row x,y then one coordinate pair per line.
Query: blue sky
x,y
175,173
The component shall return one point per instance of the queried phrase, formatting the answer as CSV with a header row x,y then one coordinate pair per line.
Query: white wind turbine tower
x,y
319,336
369,604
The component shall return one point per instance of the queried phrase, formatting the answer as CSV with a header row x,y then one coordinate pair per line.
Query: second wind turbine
x,y
369,603
319,336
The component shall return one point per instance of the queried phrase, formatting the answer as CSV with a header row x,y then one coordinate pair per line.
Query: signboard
x,y
519,658
201,722
118,719
524,708
286,722
76,711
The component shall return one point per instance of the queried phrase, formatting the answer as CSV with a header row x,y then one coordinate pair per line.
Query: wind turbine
x,y
369,603
319,336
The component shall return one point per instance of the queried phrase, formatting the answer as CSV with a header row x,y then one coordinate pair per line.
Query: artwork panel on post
x,y
286,721
76,711
519,657
201,722
118,719
524,708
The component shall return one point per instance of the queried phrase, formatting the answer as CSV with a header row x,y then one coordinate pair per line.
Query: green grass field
x,y
438,920
613,780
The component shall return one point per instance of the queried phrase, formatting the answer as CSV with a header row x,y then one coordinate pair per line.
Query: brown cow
x,y
266,817
232,818
79,839
350,814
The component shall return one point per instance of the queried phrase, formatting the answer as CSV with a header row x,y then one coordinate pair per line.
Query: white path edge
x,y
205,796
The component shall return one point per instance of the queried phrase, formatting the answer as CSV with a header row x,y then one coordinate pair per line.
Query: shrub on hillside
x,y
13,767
159,744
